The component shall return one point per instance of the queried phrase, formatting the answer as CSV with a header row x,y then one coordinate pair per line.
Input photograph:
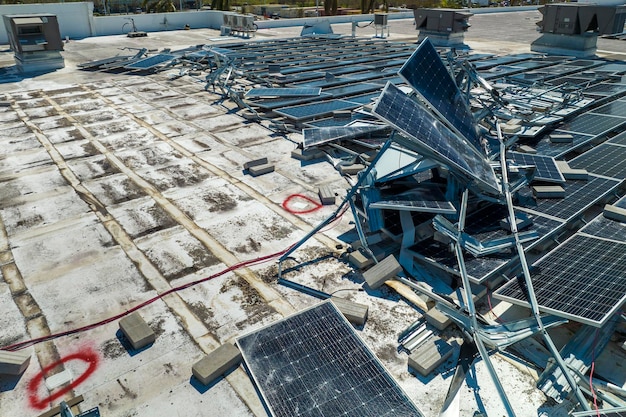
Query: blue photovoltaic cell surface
x,y
593,124
282,92
318,136
427,74
618,139
579,196
430,136
545,167
605,228
314,364
151,61
616,108
311,111
607,159
583,279
556,150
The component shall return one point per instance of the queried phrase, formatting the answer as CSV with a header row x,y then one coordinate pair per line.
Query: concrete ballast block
x,y
306,154
356,313
615,213
351,169
14,363
429,355
216,363
548,191
326,194
257,170
255,162
359,260
561,138
137,331
382,271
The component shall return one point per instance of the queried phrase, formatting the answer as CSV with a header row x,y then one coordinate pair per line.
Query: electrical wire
x,y
32,342
255,261
593,365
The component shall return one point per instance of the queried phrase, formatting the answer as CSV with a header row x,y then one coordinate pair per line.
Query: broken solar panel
x,y
583,279
425,134
545,166
321,135
428,75
151,61
311,111
605,228
424,199
282,92
314,364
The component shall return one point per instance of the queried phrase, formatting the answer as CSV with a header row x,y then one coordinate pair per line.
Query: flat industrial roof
x,y
116,188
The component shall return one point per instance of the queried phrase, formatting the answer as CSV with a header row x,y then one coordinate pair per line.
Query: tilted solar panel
x,y
314,364
583,279
151,61
428,75
432,138
545,166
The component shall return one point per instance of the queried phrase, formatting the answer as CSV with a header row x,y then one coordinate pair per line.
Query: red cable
x,y
27,343
498,319
593,365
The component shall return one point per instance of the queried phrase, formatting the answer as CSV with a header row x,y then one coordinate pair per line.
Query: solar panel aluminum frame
x,y
606,412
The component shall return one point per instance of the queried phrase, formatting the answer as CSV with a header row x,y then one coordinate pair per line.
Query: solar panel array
x,y
432,137
607,159
428,75
151,61
583,279
282,92
579,196
545,167
314,364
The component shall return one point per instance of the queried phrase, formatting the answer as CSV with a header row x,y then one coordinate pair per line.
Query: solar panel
x,y
612,412
319,136
605,89
616,108
311,111
432,138
556,150
426,199
427,74
583,279
579,196
605,228
151,61
282,92
618,139
607,159
621,203
314,364
593,124
545,166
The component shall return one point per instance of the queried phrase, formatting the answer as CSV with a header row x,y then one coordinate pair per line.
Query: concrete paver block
x,y
216,363
306,154
14,363
548,191
351,169
429,355
561,138
356,313
137,331
382,271
255,162
615,213
326,194
257,170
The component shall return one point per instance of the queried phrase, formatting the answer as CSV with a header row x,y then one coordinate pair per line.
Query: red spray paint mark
x,y
88,355
316,205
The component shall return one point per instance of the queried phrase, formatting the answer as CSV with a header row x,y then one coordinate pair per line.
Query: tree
x,y
330,7
158,6
220,4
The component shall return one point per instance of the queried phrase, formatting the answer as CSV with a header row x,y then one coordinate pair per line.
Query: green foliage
x,y
220,4
158,6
